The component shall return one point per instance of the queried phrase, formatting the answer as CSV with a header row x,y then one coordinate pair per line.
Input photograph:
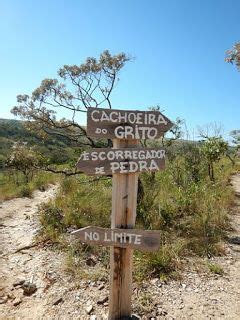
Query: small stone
x,y
17,301
57,301
93,317
91,261
102,300
18,282
77,297
28,288
101,286
10,295
161,312
3,300
184,285
154,281
89,309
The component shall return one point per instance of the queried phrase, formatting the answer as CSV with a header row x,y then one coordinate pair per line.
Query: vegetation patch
x,y
215,268
183,203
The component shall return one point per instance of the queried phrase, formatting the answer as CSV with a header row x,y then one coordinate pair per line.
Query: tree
x,y
233,55
233,153
175,132
235,134
24,160
213,148
78,87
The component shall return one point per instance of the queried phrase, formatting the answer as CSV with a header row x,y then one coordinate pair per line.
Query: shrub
x,y
165,261
25,191
52,217
24,160
190,212
85,203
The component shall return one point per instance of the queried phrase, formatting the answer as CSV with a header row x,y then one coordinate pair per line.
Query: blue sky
x,y
179,48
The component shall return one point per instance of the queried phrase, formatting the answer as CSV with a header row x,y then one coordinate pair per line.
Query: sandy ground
x,y
58,296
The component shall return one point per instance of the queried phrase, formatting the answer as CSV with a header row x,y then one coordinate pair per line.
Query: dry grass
x,y
13,185
191,214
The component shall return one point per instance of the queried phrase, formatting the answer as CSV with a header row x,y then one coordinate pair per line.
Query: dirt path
x,y
18,226
58,295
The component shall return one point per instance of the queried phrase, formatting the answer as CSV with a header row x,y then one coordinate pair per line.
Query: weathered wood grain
x,y
126,124
107,161
124,202
143,240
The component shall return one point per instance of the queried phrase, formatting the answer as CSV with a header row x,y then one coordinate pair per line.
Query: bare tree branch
x,y
77,88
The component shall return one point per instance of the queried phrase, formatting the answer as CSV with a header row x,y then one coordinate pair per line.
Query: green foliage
x,y
233,55
23,159
78,87
13,184
82,203
213,148
52,217
2,162
157,264
41,180
85,203
193,210
235,134
57,151
235,152
25,191
215,268
190,211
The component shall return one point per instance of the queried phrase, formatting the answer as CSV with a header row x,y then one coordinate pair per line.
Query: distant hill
x,y
57,149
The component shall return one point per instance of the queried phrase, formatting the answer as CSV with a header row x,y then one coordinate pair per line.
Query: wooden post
x,y
124,202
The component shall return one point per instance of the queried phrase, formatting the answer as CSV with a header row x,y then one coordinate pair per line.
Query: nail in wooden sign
x,y
122,124
107,161
144,240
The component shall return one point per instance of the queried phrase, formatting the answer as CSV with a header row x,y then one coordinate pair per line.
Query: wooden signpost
x,y
124,162
145,240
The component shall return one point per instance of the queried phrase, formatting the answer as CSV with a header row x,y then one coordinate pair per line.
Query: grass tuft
x,y
215,268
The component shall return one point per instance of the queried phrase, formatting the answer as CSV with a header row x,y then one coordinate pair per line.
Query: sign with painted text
x,y
144,240
107,161
124,162
125,124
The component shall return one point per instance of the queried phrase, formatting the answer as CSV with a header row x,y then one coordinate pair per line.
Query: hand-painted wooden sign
x,y
129,160
123,162
144,240
122,124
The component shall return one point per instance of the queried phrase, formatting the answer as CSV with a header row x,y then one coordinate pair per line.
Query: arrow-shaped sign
x,y
126,124
107,161
144,240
